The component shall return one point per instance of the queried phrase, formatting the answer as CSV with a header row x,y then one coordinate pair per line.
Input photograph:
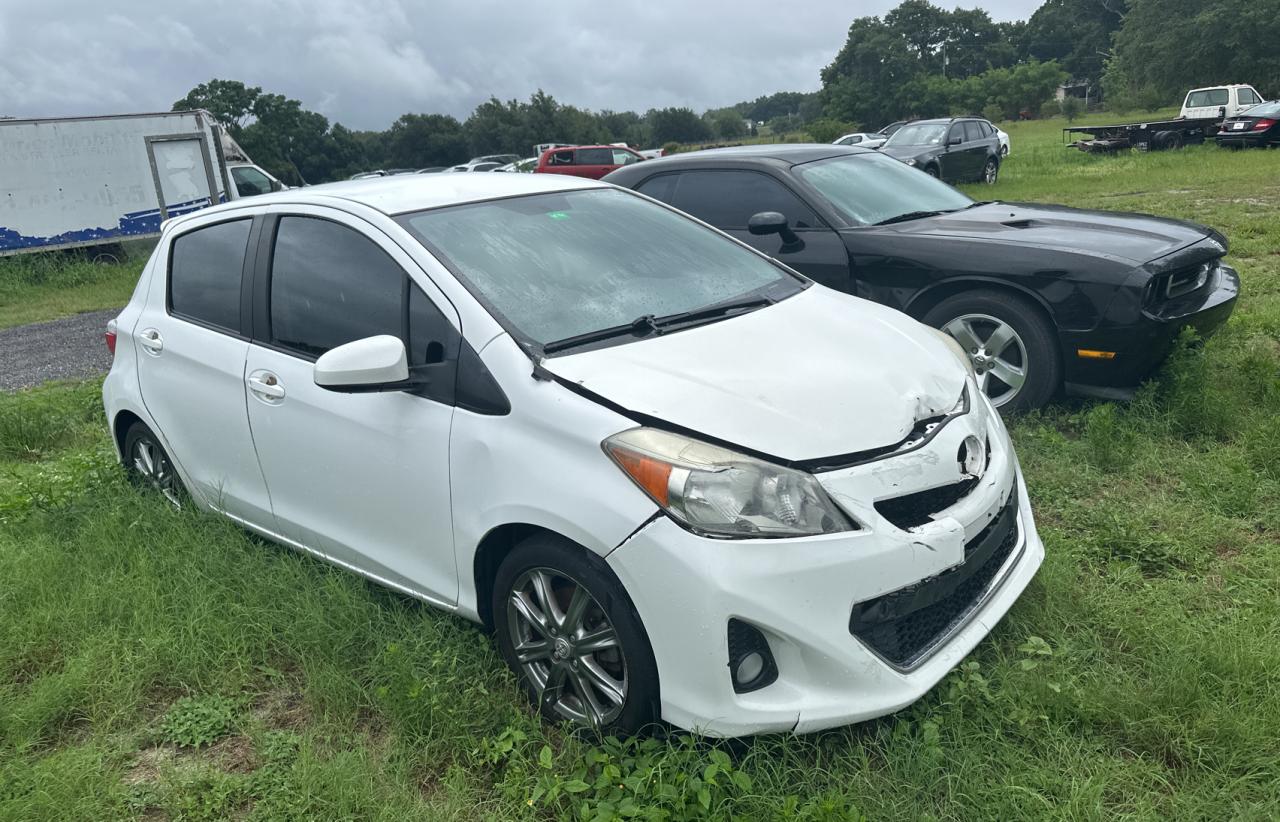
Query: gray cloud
x,y
365,62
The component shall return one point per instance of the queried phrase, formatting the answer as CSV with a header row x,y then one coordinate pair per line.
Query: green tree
x,y
677,125
1075,33
725,123
420,140
230,102
1165,47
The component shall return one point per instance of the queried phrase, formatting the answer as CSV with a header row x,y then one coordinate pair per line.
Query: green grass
x,y
168,665
46,286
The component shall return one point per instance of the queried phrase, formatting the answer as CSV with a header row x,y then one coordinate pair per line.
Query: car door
x,y
727,199
956,159
593,162
362,478
193,342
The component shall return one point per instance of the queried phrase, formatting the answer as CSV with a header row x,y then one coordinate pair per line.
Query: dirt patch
x,y
234,754
281,709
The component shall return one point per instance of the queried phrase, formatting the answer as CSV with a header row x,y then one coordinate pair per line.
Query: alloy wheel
x,y
991,172
567,648
152,467
998,354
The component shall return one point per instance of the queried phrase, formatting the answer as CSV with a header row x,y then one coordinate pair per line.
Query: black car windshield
x,y
871,188
918,134
562,264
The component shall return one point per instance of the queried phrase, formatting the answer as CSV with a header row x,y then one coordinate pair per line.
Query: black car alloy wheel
x,y
568,630
991,171
1010,344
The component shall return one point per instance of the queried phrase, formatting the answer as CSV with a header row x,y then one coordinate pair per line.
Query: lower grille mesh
x,y
903,625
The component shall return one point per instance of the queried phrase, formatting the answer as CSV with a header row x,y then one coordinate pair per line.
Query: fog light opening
x,y
751,665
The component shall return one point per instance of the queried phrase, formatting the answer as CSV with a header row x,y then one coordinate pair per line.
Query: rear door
x,y
360,478
193,341
182,172
593,162
727,199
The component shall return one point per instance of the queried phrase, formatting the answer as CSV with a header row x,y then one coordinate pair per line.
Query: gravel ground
x,y
70,348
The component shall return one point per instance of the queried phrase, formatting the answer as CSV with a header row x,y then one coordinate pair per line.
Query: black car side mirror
x,y
772,222
954,141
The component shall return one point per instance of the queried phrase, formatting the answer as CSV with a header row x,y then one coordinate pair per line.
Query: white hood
x,y
817,375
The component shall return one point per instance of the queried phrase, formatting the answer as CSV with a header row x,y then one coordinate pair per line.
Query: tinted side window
x,y
727,199
205,268
331,285
988,130
662,187
972,131
250,182
595,157
432,338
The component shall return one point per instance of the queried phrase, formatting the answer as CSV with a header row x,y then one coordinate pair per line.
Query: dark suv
x,y
955,149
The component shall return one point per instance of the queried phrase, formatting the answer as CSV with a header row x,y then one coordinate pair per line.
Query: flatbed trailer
x,y
1151,136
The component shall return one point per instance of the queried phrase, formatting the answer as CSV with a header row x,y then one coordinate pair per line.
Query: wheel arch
x,y
124,420
489,554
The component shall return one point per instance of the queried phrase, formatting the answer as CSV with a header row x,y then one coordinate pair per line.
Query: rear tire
x,y
1019,364
149,466
933,172
991,171
568,630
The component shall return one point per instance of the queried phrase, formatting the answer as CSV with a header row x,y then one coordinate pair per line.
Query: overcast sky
x,y
365,62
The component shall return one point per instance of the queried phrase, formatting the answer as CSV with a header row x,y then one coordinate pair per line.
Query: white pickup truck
x,y
69,182
1218,102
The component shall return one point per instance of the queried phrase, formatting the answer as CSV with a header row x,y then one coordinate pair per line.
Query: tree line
x,y
918,60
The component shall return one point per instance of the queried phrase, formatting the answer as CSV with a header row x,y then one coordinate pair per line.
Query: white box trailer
x,y
83,181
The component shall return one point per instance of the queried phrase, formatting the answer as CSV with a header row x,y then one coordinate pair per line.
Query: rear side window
x,y
331,285
972,131
205,269
1207,97
727,199
662,187
595,157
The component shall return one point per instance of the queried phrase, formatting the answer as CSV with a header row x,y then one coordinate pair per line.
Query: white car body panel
x,y
861,139
744,382
404,490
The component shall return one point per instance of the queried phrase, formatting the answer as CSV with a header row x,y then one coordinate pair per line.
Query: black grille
x,y
910,510
903,625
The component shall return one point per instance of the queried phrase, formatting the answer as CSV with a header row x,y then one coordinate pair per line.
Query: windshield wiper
x,y
639,327
710,312
648,324
910,215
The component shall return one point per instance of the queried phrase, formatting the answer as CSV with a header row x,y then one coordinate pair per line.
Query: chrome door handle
x,y
150,340
266,385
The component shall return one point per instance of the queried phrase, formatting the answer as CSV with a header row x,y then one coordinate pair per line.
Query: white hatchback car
x,y
676,479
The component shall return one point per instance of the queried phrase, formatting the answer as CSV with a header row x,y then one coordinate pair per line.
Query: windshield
x,y
567,263
871,188
1207,97
919,134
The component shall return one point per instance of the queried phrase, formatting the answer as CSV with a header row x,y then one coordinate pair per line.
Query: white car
x,y
861,138
1004,140
677,480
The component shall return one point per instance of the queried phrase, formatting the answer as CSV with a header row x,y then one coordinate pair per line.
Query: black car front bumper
x,y
1140,345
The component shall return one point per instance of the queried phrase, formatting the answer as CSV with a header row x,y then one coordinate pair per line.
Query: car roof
x,y
413,192
778,154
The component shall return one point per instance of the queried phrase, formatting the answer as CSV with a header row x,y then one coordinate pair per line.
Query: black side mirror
x,y
773,222
954,141
276,185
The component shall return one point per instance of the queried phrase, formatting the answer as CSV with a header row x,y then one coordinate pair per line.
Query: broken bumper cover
x,y
833,607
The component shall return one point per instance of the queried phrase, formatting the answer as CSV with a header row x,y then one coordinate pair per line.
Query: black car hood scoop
x,y
1134,237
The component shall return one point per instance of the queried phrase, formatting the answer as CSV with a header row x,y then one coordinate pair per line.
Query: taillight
x,y
1263,125
110,337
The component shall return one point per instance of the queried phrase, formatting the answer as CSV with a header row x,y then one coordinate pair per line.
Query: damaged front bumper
x,y
859,624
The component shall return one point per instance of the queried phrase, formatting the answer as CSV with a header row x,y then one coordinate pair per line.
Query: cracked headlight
x,y
719,492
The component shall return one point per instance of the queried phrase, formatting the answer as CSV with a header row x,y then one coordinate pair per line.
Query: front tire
x,y
1011,345
568,630
933,172
149,466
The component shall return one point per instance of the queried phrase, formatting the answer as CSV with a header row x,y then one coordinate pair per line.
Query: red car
x,y
585,161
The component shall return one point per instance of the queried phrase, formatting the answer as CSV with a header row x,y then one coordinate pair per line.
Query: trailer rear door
x,y
182,172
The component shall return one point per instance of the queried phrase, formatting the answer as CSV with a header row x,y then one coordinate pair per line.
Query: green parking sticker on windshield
x,y
558,215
